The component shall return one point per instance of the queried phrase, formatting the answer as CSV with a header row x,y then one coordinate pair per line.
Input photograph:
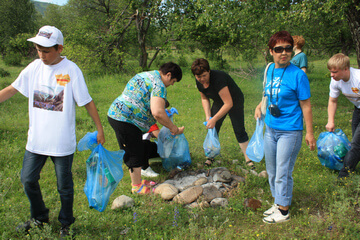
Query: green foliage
x,y
20,45
4,73
16,17
12,58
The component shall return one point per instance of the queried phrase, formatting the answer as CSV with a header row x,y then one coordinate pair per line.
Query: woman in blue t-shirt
x,y
288,92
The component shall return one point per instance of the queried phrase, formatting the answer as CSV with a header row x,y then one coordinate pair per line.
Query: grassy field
x,y
320,209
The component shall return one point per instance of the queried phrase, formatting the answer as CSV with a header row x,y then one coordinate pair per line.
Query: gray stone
x,y
219,202
211,192
185,182
221,175
237,178
123,202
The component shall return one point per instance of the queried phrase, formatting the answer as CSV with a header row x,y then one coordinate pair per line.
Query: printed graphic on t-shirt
x,y
49,97
355,90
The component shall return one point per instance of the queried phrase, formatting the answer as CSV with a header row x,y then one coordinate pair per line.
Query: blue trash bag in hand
x,y
255,148
103,170
173,149
332,148
211,144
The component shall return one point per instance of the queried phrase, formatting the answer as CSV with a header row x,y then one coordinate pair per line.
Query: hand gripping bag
x,y
103,171
173,149
211,143
332,148
255,148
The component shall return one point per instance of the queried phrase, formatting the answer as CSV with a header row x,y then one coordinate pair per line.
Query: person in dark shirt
x,y
227,99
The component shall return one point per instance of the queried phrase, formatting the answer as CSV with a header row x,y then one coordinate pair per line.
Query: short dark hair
x,y
282,36
173,68
199,66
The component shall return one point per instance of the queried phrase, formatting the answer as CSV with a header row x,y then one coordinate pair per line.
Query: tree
x,y
330,18
16,16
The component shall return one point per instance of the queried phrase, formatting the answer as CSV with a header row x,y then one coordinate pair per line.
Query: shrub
x,y
12,58
4,73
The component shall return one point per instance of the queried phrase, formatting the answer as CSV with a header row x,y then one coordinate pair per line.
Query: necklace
x,y
271,84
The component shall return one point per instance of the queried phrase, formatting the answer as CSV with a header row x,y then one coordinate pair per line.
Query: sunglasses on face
x,y
281,49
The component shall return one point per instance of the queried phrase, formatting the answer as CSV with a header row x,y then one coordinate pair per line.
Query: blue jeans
x,y
281,149
30,175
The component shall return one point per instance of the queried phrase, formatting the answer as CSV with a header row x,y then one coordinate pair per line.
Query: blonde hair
x,y
299,41
339,61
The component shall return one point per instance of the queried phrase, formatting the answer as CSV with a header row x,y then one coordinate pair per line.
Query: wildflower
x,y
176,213
134,217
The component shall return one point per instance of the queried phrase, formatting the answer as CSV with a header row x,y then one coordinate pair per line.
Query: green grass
x,y
320,209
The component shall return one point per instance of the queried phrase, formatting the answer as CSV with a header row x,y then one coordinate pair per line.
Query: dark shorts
x,y
137,150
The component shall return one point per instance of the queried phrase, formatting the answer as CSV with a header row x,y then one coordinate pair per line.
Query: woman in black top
x,y
227,99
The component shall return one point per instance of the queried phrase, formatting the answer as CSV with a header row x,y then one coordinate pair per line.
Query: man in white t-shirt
x,y
345,80
53,84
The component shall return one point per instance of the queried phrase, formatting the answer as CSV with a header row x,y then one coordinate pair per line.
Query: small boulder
x,y
123,202
219,202
221,175
204,204
189,195
263,174
200,181
237,178
211,192
166,191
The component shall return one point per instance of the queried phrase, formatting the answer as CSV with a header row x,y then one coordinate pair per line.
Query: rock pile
x,y
199,188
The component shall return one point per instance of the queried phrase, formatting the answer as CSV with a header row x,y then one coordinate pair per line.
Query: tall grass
x,y
320,209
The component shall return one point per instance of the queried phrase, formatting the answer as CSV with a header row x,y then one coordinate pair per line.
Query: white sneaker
x,y
270,210
277,217
148,172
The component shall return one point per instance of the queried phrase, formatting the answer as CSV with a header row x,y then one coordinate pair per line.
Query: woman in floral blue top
x,y
141,104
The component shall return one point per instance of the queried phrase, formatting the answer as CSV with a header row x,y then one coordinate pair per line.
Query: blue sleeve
x,y
303,90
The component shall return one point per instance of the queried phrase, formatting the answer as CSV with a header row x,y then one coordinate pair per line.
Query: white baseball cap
x,y
48,36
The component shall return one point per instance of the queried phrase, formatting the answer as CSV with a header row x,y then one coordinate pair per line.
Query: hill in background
x,y
40,6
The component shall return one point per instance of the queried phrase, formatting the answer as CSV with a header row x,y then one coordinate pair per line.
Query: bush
x,y
183,62
4,73
20,45
12,59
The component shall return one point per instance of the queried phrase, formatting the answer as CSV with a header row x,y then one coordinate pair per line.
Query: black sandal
x,y
250,164
211,160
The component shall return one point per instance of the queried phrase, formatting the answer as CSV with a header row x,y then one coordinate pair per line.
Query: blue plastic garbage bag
x,y
211,144
103,170
173,149
255,148
332,148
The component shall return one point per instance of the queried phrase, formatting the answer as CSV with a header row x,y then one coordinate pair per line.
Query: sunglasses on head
x,y
281,49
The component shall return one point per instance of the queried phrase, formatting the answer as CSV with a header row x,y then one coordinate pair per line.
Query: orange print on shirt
x,y
62,80
355,90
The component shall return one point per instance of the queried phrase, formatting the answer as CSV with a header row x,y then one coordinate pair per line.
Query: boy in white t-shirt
x,y
345,80
53,84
